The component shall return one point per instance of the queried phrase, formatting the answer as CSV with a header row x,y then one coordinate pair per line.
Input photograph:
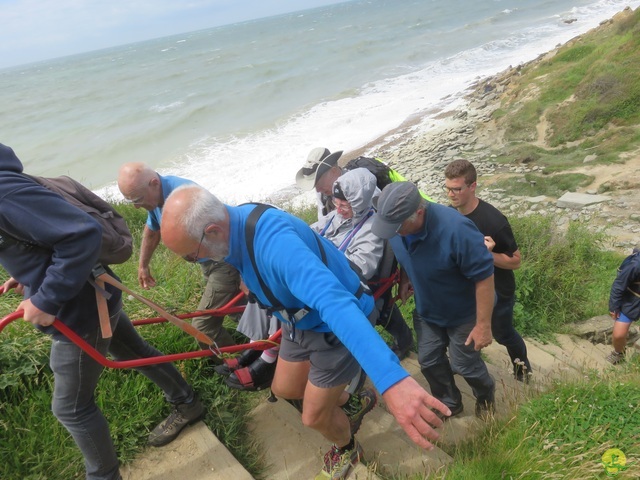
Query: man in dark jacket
x,y
624,303
445,262
49,248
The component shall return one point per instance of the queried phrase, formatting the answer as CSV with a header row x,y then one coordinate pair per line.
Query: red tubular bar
x,y
141,362
227,309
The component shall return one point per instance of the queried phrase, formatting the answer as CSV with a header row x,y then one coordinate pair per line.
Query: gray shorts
x,y
332,364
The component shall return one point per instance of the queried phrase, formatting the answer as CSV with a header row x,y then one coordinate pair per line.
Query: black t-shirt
x,y
492,223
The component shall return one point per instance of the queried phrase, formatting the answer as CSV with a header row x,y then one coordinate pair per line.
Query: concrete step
x,y
196,454
296,452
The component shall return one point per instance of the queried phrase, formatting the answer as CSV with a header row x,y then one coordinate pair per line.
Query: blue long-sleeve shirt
x,y
290,263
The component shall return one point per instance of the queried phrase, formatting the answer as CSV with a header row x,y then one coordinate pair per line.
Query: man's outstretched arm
x,y
413,406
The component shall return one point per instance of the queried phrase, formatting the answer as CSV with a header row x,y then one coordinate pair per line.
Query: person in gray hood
x,y
349,228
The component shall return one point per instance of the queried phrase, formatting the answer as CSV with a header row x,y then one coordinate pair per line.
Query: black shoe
x,y
457,410
183,414
256,376
485,409
522,370
232,364
614,358
402,352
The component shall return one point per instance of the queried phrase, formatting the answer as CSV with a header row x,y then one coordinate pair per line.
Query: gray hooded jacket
x,y
353,235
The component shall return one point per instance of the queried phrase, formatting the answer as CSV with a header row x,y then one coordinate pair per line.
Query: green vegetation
x,y
554,186
552,290
588,94
553,286
561,434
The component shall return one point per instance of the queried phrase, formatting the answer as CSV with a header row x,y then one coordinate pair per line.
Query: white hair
x,y
205,209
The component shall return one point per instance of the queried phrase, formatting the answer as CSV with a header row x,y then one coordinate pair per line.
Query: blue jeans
x,y
75,378
433,342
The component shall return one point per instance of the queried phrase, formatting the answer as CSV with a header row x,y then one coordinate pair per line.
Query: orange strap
x,y
185,326
103,310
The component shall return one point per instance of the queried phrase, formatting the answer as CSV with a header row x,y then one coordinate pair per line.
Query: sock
x,y
270,355
348,446
345,405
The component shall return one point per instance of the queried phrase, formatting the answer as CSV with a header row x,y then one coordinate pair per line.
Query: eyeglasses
x,y
194,258
134,200
455,190
342,205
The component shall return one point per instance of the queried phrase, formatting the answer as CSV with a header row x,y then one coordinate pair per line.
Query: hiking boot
x,y
339,464
454,411
401,352
256,376
358,406
521,372
615,358
182,415
485,409
230,365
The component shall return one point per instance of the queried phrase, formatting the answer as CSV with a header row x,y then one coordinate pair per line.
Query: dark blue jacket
x,y
55,274
444,262
625,291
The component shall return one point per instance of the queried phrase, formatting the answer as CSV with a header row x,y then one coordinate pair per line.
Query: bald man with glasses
x,y
145,188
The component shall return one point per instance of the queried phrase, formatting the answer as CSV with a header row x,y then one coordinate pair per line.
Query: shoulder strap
x,y
250,231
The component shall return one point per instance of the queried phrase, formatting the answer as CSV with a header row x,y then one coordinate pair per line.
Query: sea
x,y
237,108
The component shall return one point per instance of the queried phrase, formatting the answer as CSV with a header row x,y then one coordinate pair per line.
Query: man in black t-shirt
x,y
460,185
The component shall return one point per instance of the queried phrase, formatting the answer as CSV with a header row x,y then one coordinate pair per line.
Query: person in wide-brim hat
x,y
319,162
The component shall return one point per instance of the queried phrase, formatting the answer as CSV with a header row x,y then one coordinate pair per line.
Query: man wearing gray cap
x,y
445,261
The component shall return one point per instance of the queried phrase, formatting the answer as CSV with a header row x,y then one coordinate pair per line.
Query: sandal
x,y
256,376
230,365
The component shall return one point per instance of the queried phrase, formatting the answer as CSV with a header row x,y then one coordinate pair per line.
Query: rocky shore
x,y
421,152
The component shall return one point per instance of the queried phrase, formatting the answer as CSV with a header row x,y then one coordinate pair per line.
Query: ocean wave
x,y
166,108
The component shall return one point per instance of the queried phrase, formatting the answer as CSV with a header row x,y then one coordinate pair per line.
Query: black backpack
x,y
375,166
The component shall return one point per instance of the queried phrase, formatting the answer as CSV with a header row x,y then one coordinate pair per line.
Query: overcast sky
x,y
32,30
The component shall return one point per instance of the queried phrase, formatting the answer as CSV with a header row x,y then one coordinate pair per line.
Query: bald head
x,y
195,223
140,184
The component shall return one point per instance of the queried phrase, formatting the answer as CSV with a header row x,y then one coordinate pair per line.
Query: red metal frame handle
x,y
141,362
227,309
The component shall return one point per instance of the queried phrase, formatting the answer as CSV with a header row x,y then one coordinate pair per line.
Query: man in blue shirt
x,y
445,261
321,349
145,188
